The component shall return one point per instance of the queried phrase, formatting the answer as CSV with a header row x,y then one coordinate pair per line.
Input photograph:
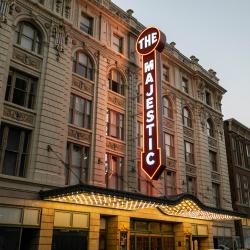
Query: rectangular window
x,y
169,145
234,151
213,161
216,194
189,152
139,129
169,182
14,147
114,166
77,159
117,43
191,185
86,24
242,154
21,89
165,73
115,124
80,111
184,85
208,98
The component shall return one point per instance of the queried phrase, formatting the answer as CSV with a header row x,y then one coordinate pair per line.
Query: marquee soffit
x,y
182,205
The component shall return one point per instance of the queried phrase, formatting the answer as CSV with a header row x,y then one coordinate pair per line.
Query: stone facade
x,y
61,36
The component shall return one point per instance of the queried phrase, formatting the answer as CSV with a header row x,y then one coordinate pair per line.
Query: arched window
x,y
28,37
167,108
210,128
83,65
116,82
186,118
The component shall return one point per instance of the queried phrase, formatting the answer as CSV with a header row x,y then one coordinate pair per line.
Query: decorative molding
x,y
79,134
190,169
188,132
215,176
6,7
83,85
26,58
170,163
168,123
212,142
115,146
116,100
18,115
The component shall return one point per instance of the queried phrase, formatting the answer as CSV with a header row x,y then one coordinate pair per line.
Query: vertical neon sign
x,y
150,44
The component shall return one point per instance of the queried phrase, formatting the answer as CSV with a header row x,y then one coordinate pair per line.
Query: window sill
x,y
10,104
29,51
82,78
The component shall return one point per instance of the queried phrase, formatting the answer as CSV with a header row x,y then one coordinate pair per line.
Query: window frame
x,y
87,29
36,46
165,72
185,85
194,185
208,98
70,170
84,116
118,47
119,124
189,156
216,194
88,68
213,161
167,108
169,147
117,171
22,150
186,120
210,127
120,83
28,95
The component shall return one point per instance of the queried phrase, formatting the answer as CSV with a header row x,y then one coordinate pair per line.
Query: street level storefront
x,y
88,217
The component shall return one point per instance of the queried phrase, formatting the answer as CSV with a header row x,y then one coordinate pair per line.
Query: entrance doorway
x,y
196,243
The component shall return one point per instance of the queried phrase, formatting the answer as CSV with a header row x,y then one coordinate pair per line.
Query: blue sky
x,y
217,32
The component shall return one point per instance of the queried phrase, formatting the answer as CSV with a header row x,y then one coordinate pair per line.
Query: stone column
x,y
182,232
94,231
207,243
46,231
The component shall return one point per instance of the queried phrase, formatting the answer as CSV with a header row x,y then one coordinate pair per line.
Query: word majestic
x,y
149,44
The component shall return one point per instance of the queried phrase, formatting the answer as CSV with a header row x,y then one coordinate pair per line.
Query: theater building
x,y
237,137
71,138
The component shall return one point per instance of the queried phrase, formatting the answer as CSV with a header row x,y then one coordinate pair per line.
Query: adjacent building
x,y
71,136
237,137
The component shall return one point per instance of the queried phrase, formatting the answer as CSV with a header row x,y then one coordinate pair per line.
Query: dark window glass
x,y
139,129
115,124
117,43
167,108
114,171
116,82
80,111
208,98
216,194
77,159
21,90
189,152
82,65
169,182
14,144
186,118
184,84
169,145
28,37
86,24
213,161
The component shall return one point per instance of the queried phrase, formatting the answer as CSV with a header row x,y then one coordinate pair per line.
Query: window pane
x,y
21,84
82,58
9,163
26,43
28,31
13,139
76,156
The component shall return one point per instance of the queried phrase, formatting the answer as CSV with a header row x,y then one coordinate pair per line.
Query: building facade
x,y
237,137
71,113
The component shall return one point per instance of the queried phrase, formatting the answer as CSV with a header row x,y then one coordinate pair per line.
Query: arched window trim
x,y
187,118
167,109
116,85
36,40
85,70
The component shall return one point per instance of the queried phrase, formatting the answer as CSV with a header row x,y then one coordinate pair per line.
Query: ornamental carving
x,y
6,7
215,176
115,146
27,59
116,100
201,90
17,115
212,142
83,86
168,123
170,163
79,134
190,169
188,132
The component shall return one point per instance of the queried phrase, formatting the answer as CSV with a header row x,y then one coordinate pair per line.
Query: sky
x,y
215,31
